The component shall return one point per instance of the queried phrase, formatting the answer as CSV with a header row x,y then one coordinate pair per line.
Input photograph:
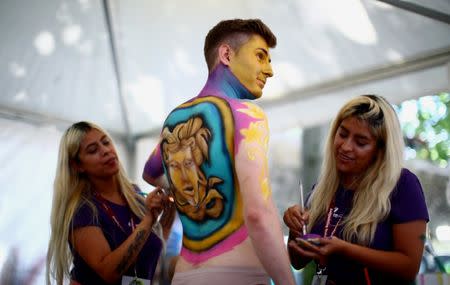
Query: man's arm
x,y
154,171
261,217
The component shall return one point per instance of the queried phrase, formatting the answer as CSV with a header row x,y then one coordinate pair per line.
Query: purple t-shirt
x,y
407,204
147,258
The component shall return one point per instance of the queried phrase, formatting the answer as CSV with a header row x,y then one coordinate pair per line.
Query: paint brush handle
x,y
165,192
302,202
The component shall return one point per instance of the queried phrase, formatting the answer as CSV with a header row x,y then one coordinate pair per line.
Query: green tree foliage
x,y
427,134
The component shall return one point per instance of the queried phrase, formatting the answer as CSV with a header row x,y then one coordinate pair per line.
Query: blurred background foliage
x,y
426,126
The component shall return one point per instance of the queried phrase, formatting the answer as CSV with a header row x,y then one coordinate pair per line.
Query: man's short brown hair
x,y
234,32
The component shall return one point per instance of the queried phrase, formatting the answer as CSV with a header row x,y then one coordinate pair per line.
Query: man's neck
x,y
221,81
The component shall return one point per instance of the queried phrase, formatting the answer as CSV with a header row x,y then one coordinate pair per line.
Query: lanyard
x,y
110,212
321,270
328,222
325,234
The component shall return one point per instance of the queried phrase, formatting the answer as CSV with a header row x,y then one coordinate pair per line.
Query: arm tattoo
x,y
133,250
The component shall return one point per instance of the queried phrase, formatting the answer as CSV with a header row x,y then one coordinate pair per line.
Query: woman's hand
x,y
320,252
295,219
168,217
156,202
331,245
304,248
302,251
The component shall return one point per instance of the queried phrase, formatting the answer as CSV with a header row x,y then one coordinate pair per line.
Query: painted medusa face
x,y
184,174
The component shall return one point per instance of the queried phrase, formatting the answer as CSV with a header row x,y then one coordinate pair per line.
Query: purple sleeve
x,y
408,201
83,217
153,166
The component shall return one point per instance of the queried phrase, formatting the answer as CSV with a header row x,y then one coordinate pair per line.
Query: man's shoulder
x,y
252,110
206,105
204,99
213,99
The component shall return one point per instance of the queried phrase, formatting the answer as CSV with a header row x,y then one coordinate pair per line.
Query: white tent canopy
x,y
61,63
126,64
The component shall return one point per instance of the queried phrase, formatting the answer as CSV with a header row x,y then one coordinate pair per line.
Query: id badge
x,y
134,280
319,279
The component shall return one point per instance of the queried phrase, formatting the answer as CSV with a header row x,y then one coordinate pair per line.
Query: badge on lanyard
x,y
319,279
130,280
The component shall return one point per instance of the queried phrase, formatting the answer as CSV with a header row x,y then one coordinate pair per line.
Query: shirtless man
x,y
212,155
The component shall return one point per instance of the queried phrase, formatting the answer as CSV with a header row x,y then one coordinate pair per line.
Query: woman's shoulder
x,y
85,214
85,206
407,173
408,200
407,179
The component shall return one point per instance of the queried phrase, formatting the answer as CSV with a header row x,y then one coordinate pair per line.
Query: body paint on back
x,y
208,197
198,154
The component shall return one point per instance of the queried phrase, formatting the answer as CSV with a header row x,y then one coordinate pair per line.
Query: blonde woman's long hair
x,y
371,201
71,190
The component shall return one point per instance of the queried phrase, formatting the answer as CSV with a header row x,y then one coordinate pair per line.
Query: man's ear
x,y
225,53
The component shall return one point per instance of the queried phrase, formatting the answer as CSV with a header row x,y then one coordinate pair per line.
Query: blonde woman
x,y
101,226
368,211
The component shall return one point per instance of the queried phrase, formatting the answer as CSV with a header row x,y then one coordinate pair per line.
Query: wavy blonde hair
x,y
371,202
71,190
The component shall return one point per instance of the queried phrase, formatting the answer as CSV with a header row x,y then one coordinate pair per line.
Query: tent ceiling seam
x,y
436,58
129,141
428,60
418,9
116,65
39,119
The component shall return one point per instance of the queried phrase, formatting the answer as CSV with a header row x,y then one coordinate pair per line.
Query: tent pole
x,y
130,141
